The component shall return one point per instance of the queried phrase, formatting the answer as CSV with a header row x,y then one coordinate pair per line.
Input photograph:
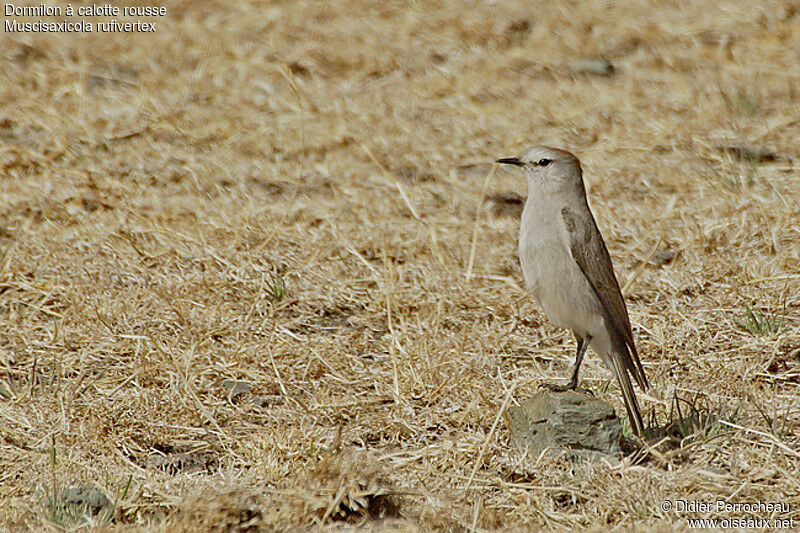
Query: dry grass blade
x,y
230,268
771,438
476,224
489,437
411,208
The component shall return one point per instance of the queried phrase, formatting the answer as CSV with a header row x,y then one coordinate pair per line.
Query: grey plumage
x,y
568,269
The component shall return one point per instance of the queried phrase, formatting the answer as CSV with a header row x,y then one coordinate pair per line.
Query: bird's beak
x,y
511,161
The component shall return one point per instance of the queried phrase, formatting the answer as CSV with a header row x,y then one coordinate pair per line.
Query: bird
x,y
567,268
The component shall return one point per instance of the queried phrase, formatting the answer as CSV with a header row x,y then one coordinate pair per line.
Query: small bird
x,y
568,270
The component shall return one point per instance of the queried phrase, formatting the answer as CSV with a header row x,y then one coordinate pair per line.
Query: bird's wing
x,y
590,253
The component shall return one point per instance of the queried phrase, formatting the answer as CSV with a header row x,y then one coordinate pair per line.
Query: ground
x,y
259,271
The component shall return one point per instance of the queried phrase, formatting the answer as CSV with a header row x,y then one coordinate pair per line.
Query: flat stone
x,y
751,154
508,204
571,420
183,462
235,388
593,66
664,256
80,500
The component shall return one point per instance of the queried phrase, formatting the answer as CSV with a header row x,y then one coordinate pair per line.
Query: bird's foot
x,y
552,387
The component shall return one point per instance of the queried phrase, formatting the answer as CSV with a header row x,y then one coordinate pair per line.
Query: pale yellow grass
x,y
156,189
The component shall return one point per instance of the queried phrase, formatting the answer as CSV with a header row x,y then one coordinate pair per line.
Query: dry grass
x,y
285,195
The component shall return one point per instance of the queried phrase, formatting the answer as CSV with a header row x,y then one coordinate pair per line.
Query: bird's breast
x,y
551,274
543,246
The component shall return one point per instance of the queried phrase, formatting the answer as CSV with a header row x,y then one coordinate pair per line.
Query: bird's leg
x,y
583,343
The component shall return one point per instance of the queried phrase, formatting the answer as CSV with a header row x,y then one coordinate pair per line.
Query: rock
x,y
750,154
508,204
569,420
413,174
593,66
235,388
265,401
80,500
174,463
664,256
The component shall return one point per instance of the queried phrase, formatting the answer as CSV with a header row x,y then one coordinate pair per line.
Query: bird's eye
x,y
544,162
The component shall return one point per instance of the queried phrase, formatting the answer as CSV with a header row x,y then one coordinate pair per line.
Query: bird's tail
x,y
628,395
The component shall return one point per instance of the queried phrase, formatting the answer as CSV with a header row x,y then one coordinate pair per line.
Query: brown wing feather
x,y
590,252
628,397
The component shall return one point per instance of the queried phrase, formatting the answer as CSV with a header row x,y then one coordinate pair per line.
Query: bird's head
x,y
548,169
